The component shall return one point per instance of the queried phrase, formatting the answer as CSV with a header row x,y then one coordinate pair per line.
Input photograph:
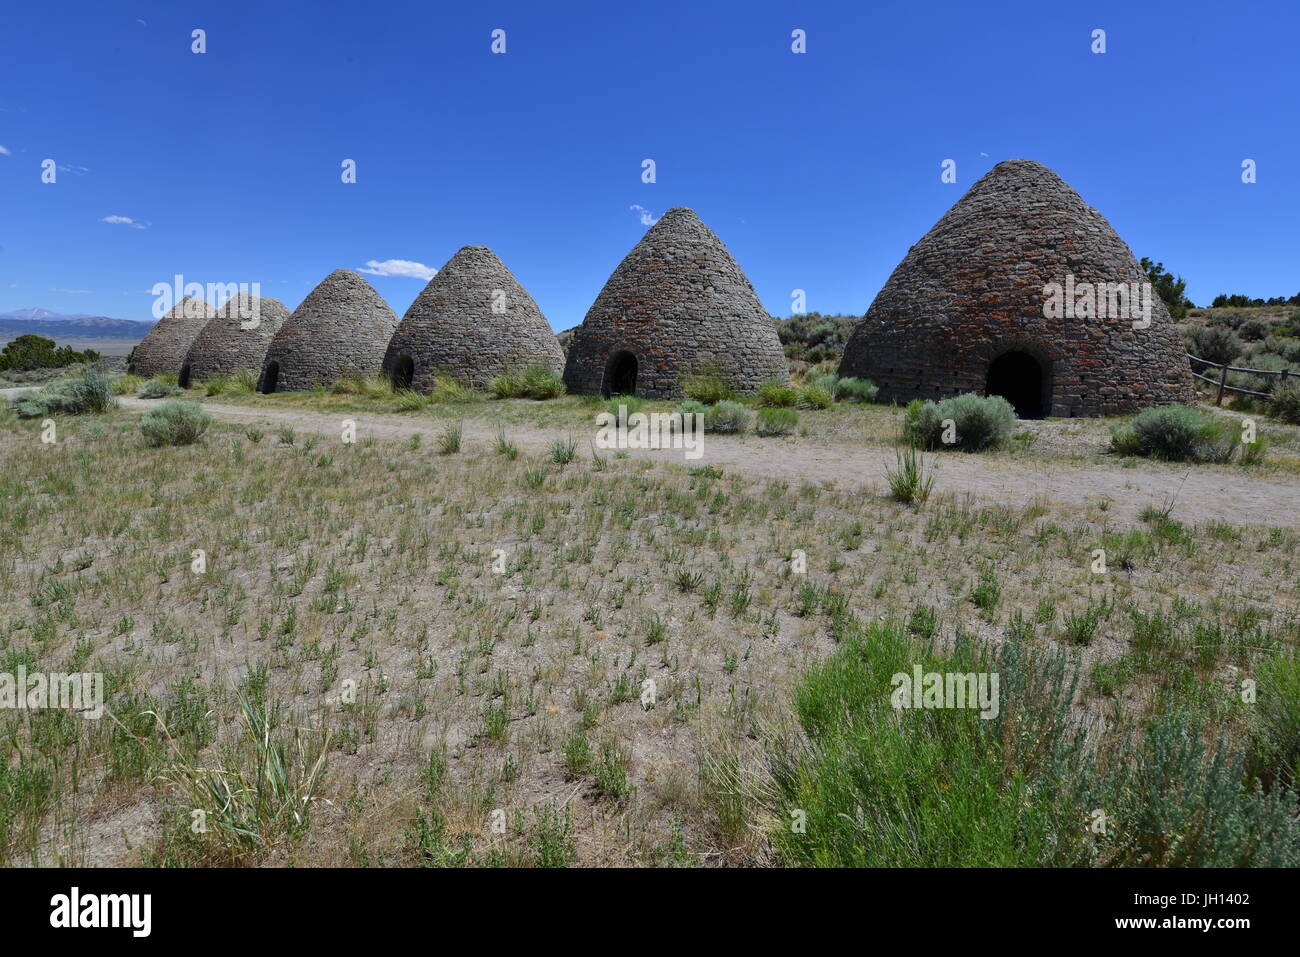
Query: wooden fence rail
x,y
1222,381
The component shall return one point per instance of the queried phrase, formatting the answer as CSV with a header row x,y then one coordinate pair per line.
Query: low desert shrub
x,y
623,407
1253,330
727,417
690,407
1174,433
1000,785
1285,403
90,392
708,388
777,395
975,422
1275,728
1213,343
776,421
158,389
856,390
175,422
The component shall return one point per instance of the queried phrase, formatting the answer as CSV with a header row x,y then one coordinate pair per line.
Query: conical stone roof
x,y
970,295
473,322
342,328
678,303
237,337
163,350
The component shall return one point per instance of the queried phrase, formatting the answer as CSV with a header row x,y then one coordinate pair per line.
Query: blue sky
x,y
818,170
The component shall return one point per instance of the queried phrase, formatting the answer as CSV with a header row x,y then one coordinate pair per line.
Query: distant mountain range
x,y
69,328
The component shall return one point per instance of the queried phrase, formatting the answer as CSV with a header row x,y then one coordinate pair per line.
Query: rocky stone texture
x,y
342,328
679,304
237,337
163,350
473,322
972,290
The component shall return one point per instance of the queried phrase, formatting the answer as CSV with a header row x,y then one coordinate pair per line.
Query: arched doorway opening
x,y
620,375
270,378
183,380
403,372
1018,377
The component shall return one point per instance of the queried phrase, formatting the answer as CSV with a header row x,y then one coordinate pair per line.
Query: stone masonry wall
x,y
453,329
163,350
224,346
342,328
679,303
972,289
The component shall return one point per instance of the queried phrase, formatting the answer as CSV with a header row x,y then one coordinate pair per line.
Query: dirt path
x,y
1202,493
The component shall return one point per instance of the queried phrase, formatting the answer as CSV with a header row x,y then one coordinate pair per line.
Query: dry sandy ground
x,y
1201,493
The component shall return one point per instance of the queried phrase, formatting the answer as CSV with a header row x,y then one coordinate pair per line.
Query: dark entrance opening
x,y
1018,378
183,380
620,375
270,378
403,372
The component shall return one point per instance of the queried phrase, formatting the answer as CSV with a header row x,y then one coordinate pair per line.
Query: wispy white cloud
x,y
399,267
72,292
79,170
647,217
4,151
127,221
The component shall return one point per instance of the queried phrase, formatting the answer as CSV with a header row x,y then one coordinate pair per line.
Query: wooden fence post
x,y
1223,381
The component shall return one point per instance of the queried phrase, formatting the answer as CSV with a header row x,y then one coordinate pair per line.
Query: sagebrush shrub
x,y
979,422
707,388
89,392
1213,343
727,417
1173,433
960,787
776,421
623,407
157,389
1253,330
690,407
856,390
175,422
1285,403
